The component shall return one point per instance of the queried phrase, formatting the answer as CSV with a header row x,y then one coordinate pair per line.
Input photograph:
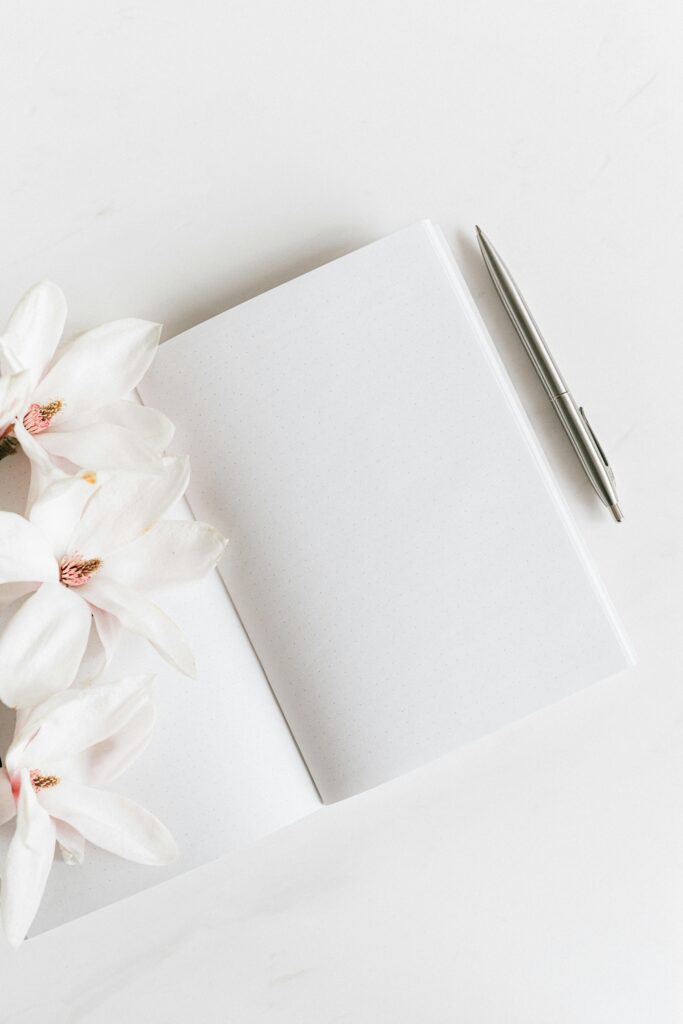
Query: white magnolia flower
x,y
62,749
91,550
70,396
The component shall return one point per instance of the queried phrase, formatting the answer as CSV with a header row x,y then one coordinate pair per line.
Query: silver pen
x,y
572,417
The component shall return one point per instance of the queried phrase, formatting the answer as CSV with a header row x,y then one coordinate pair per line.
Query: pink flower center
x,y
74,570
38,781
39,417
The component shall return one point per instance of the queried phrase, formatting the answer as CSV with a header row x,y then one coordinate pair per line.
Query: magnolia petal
x,y
71,843
148,425
14,395
58,504
100,444
105,761
69,722
43,469
93,662
100,366
45,472
42,644
140,616
28,864
127,505
112,822
109,630
10,363
37,324
170,552
105,634
7,805
25,555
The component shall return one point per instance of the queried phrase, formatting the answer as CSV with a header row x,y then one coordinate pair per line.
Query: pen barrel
x,y
573,419
523,321
532,339
591,456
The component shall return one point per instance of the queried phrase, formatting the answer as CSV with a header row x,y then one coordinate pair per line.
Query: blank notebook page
x,y
398,553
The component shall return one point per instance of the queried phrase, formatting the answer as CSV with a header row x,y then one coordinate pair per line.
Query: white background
x,y
167,160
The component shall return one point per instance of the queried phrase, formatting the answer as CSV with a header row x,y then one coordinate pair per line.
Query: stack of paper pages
x,y
402,576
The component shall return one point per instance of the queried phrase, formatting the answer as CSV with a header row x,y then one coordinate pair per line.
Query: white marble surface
x,y
169,160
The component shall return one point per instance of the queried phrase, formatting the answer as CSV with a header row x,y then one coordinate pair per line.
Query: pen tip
x,y
616,512
477,229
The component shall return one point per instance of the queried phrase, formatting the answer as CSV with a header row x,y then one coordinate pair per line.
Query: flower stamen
x,y
39,417
74,570
39,781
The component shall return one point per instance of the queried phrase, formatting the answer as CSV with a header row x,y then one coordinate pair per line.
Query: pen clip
x,y
601,450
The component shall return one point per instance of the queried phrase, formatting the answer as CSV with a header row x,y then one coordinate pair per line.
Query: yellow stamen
x,y
51,409
44,781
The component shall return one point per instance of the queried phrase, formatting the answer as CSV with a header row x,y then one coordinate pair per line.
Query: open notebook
x,y
402,576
